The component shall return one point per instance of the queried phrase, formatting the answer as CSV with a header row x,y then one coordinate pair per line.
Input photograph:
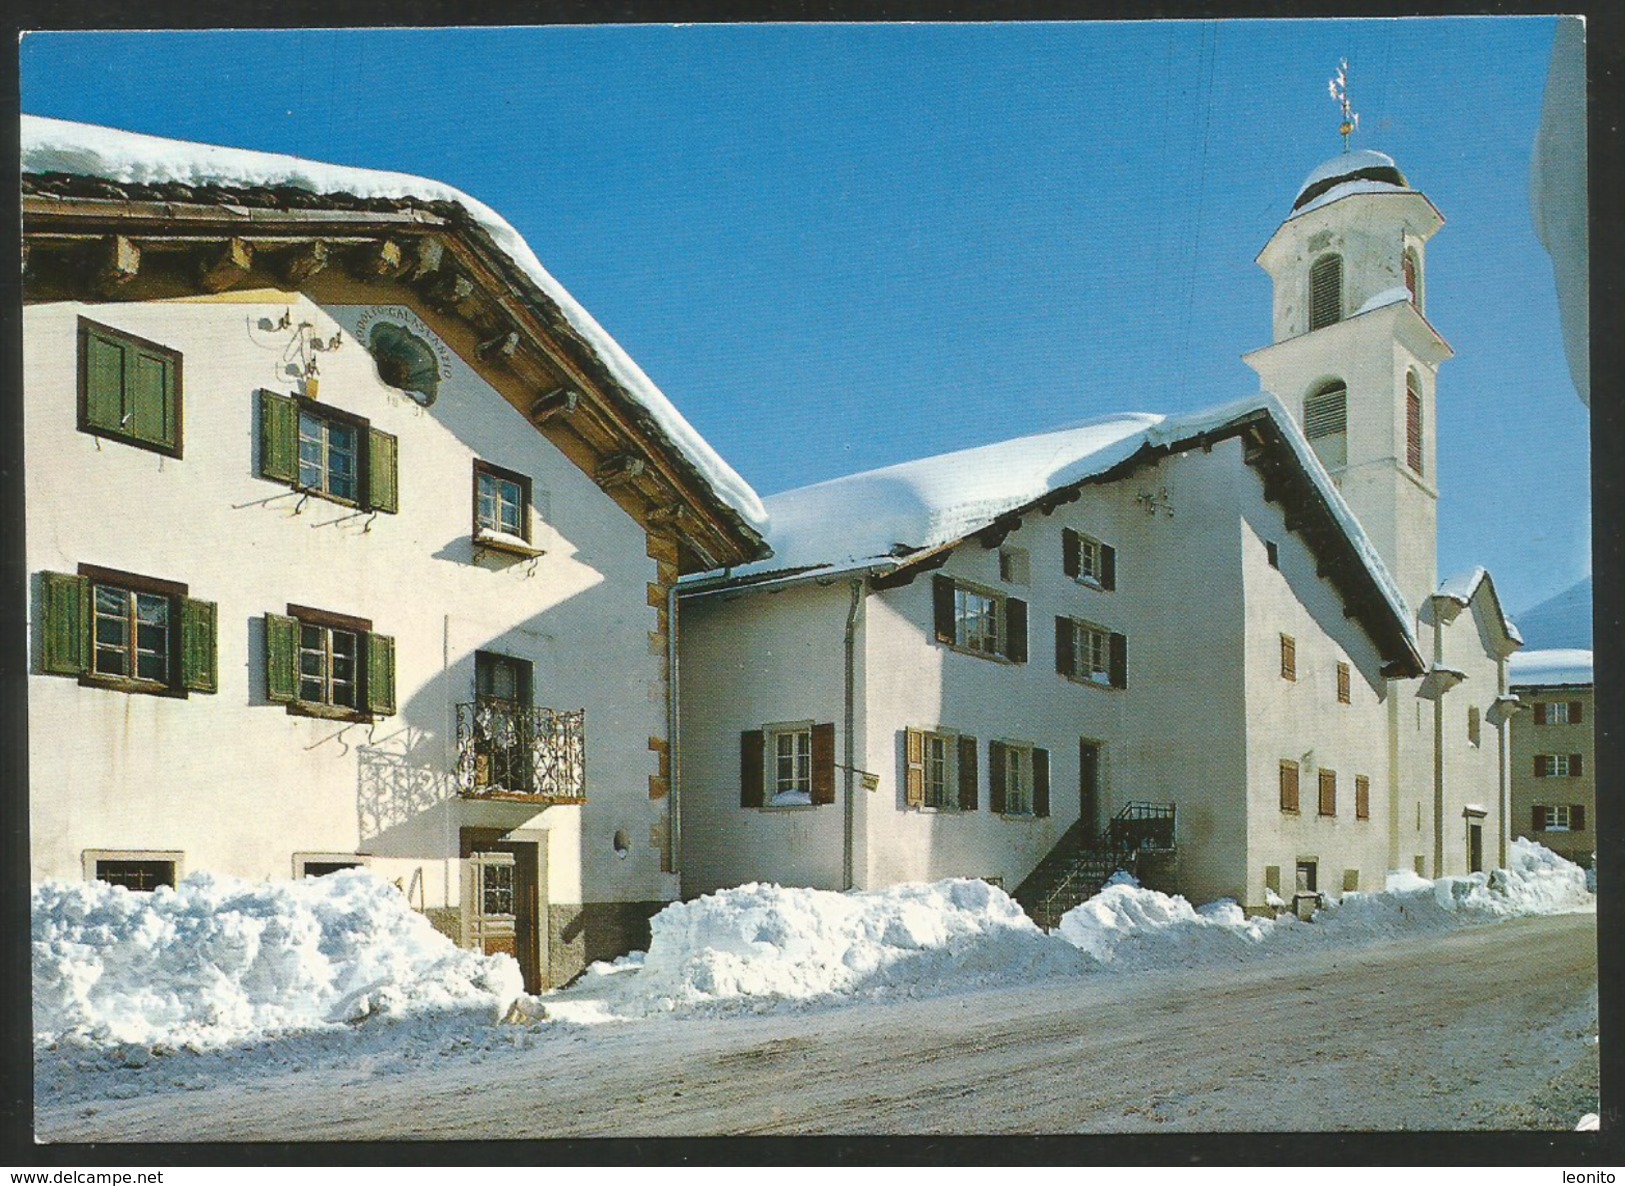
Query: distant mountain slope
x,y
1560,621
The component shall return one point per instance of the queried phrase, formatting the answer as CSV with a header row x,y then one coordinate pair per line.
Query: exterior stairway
x,y
1080,863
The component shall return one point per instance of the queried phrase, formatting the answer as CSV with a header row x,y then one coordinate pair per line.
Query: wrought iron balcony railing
x,y
507,750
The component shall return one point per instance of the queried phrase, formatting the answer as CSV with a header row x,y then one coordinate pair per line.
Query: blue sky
x,y
836,247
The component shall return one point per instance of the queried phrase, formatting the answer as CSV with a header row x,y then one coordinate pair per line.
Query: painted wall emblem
x,y
406,352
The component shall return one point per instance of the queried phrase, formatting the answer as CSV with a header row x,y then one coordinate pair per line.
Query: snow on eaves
x,y
1555,668
61,146
1361,185
1462,587
882,516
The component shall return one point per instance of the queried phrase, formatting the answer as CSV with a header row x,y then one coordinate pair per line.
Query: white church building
x,y
1217,638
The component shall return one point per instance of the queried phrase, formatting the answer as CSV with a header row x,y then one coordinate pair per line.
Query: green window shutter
x,y
383,478
151,397
995,776
199,671
967,774
281,659
380,675
65,618
104,383
279,438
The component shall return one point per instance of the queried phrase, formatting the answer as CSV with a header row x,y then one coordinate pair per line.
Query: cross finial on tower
x,y
1339,90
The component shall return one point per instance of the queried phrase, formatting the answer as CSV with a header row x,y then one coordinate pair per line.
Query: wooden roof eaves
x,y
80,215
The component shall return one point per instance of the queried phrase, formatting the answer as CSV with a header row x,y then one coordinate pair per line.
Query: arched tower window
x,y
1413,422
1326,291
1412,267
1326,423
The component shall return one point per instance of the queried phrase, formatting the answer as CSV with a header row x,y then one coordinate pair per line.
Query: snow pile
x,y
757,945
218,960
1125,924
60,146
1130,927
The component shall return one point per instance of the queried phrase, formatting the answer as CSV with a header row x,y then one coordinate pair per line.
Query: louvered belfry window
x,y
1413,422
1326,291
1326,423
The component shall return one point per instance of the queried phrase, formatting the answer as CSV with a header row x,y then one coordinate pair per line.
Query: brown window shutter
x,y
1015,630
995,777
1540,713
1537,818
1118,660
1574,765
942,601
913,767
1071,552
1065,659
1576,712
1542,767
1108,567
1328,792
1413,425
823,763
1343,696
1040,781
1577,818
752,751
1362,797
1289,657
1289,786
967,774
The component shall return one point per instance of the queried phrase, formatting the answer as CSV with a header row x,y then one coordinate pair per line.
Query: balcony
x,y
514,752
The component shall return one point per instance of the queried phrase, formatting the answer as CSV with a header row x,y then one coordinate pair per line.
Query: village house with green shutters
x,y
351,541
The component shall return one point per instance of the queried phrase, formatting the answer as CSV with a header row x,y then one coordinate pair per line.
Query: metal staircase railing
x,y
1079,864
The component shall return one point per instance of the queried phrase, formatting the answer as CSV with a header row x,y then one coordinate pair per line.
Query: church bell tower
x,y
1354,357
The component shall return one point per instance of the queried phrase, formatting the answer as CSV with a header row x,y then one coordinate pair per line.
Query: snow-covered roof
x,y
1362,172
1346,164
59,146
884,517
1557,668
1462,587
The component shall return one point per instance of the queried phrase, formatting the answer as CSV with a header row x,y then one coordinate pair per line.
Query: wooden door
x,y
502,905
1089,786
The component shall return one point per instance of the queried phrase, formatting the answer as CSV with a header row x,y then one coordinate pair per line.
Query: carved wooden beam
x,y
383,259
227,267
119,264
304,263
670,515
619,469
430,252
448,291
559,402
501,347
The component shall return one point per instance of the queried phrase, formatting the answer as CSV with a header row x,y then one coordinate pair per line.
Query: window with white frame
x,y
1557,713
978,618
937,757
1557,765
1558,817
1017,762
791,773
1092,652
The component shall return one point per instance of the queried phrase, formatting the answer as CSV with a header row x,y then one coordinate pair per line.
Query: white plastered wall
x,y
751,659
237,783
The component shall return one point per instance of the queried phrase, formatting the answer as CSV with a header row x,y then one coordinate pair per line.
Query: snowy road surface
x,y
1475,1028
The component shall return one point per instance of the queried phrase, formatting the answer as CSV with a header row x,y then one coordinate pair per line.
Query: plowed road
x,y
1472,1028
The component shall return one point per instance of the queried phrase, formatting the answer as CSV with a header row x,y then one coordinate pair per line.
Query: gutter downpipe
x,y
848,819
